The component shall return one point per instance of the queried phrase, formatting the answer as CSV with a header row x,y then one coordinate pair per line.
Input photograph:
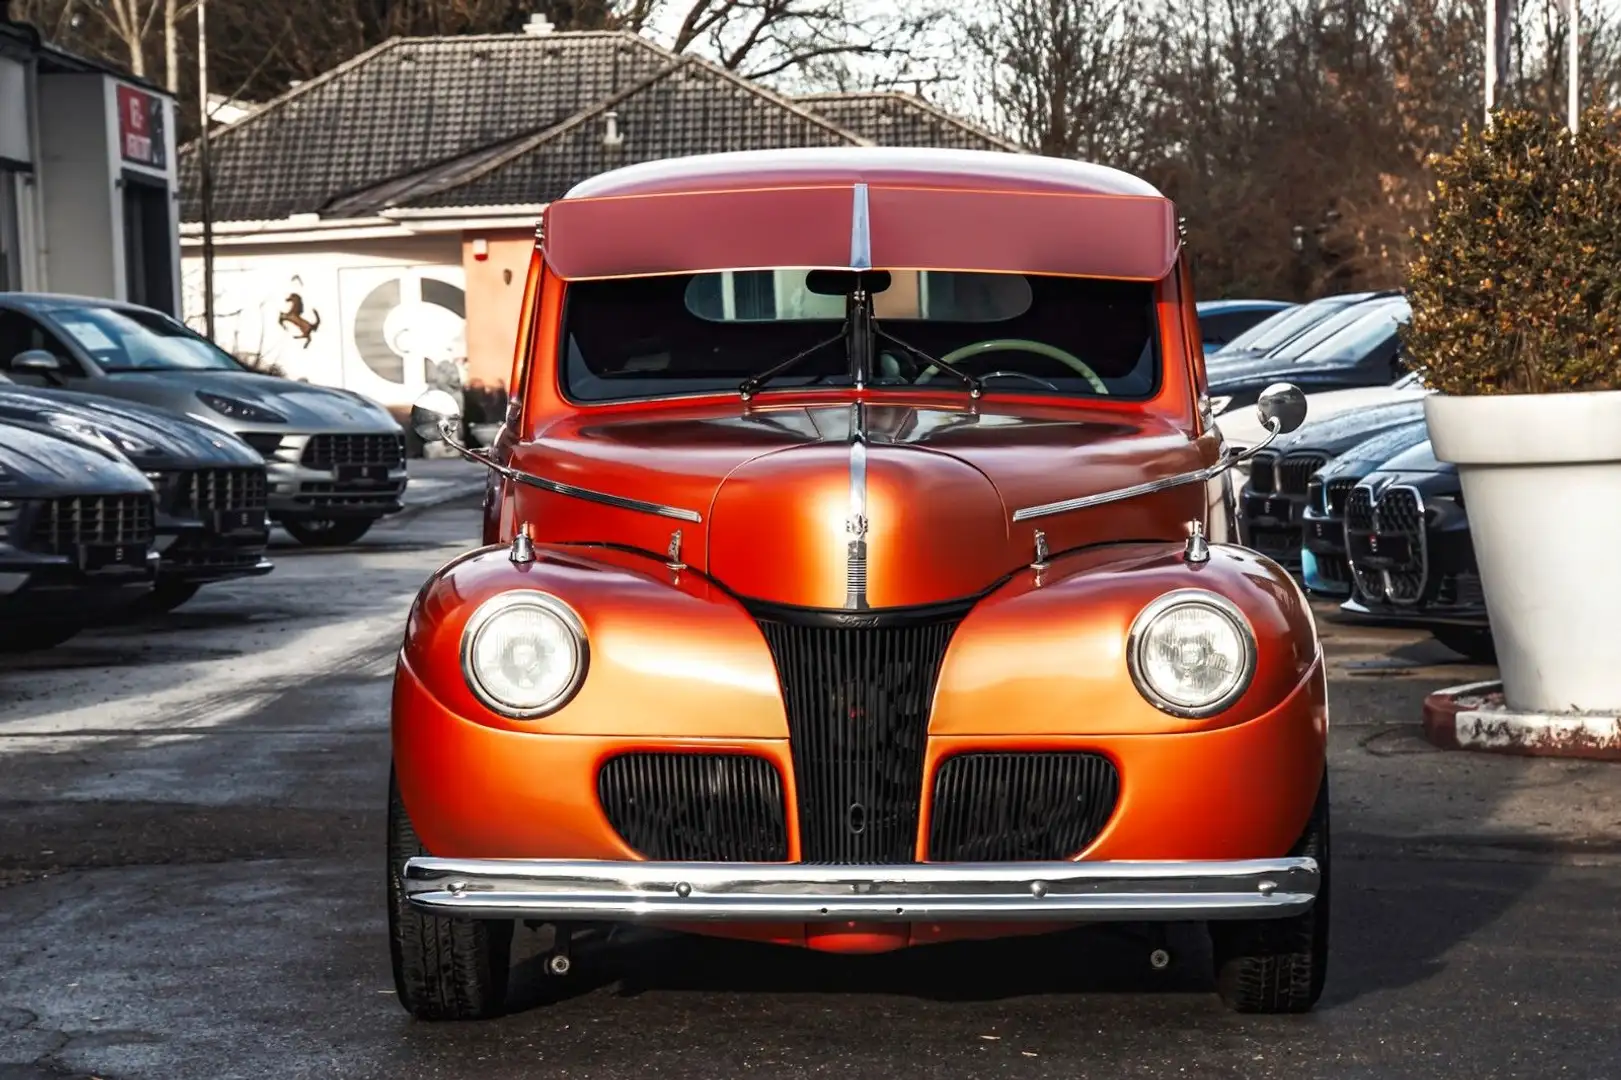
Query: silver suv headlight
x,y
524,654
1191,653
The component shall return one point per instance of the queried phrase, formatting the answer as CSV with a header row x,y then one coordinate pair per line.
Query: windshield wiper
x,y
751,385
973,384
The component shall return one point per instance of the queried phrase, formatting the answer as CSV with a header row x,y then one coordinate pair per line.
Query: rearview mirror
x,y
845,282
36,362
1281,408
433,413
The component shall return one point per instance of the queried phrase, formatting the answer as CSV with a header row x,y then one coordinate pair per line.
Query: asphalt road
x,y
191,885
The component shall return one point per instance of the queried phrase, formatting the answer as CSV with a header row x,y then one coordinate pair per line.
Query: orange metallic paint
x,y
676,662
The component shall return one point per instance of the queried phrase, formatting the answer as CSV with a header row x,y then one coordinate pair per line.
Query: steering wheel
x,y
988,376
1040,348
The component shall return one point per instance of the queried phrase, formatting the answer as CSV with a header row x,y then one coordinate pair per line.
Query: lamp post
x,y
205,171
1574,36
1499,35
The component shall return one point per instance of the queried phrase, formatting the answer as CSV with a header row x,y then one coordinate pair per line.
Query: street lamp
x,y
205,171
1575,62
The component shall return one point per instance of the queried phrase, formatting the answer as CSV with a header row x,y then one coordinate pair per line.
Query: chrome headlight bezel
x,y
1137,638
500,604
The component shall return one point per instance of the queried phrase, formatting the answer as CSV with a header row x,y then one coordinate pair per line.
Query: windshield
x,y
132,340
1356,333
1269,333
645,337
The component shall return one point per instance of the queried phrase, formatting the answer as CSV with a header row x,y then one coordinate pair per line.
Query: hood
x,y
1371,454
170,441
1337,434
1419,458
34,463
841,506
305,407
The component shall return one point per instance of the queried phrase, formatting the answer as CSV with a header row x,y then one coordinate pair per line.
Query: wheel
x,y
328,532
20,639
1278,965
1477,645
168,595
444,969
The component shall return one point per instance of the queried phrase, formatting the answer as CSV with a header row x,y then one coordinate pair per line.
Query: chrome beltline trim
x,y
855,571
603,497
635,891
1086,502
860,231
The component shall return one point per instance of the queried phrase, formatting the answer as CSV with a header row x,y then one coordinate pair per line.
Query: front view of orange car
x,y
858,608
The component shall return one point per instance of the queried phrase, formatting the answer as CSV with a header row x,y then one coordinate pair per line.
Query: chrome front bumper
x,y
600,891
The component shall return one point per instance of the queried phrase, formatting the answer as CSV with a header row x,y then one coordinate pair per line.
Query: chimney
x,y
611,138
538,24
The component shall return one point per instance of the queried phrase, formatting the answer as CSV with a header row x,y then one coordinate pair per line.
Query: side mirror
x,y
1281,408
36,362
433,413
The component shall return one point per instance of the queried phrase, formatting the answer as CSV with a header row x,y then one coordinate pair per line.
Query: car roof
x,y
34,301
748,169
1219,307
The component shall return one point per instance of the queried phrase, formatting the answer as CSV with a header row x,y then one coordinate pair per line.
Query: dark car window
x,y
704,333
1359,337
1271,332
1222,327
19,333
127,339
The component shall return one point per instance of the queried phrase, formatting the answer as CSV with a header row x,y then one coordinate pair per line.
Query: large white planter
x,y
1541,478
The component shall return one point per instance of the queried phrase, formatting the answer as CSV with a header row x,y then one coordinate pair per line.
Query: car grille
x,y
696,807
1263,467
1359,509
265,442
1011,807
327,495
1275,544
326,451
1335,493
64,525
1398,513
209,491
858,713
1294,472
1333,569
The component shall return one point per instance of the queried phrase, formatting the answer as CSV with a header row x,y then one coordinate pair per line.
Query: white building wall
x,y
367,315
84,249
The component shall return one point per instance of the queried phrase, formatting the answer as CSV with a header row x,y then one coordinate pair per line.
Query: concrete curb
x,y
1474,717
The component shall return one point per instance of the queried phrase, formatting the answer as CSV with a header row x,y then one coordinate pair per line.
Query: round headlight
x,y
1191,653
524,654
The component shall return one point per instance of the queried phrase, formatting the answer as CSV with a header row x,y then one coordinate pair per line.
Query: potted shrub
x,y
1516,298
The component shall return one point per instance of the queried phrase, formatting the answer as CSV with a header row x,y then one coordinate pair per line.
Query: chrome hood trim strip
x,y
1087,502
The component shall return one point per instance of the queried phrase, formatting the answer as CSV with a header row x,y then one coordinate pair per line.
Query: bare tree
x,y
132,23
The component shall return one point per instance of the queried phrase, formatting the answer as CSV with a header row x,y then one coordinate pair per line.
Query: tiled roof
x,y
408,103
691,107
890,118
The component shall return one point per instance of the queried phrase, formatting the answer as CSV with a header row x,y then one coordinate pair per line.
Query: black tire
x,y
1474,644
36,638
1278,965
444,969
328,532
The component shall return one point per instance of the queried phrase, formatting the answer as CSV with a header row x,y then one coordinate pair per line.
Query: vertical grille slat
x,y
858,702
64,525
1020,807
209,491
696,807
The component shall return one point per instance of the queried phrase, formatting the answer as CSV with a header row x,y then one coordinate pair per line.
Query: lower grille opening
x,y
1019,807
858,701
696,807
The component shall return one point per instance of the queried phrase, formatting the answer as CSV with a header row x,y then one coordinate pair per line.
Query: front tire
x,y
328,532
1278,965
444,969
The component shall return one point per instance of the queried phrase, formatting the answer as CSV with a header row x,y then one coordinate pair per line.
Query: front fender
x,y
1046,653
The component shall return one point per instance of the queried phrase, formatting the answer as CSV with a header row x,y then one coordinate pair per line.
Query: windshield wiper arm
x,y
973,384
751,385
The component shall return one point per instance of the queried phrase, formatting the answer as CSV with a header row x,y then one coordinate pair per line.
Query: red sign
x,y
141,136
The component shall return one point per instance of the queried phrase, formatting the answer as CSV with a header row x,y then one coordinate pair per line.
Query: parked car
x,y
838,608
76,530
336,460
210,485
1324,567
1277,330
1272,502
1359,345
1412,556
1220,321
1238,426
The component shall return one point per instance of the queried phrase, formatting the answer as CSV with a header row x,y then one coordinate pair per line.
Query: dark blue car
x,y
1220,321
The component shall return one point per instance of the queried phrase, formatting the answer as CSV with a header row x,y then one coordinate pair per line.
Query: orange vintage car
x,y
859,575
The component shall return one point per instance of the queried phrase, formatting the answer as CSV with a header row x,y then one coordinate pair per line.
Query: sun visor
x,y
1131,237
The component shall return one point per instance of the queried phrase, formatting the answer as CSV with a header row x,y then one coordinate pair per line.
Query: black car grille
x,y
64,525
696,807
1262,469
1359,509
1294,471
1334,569
210,491
1398,514
858,703
1012,807
1335,494
326,451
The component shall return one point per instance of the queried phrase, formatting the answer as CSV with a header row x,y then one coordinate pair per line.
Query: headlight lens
x,y
80,428
1191,653
524,654
239,410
